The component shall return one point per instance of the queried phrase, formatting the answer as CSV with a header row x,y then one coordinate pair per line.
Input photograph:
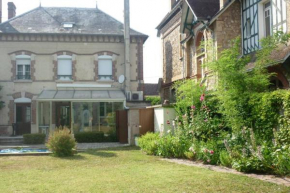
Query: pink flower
x,y
202,97
211,152
205,120
205,150
184,116
192,107
208,160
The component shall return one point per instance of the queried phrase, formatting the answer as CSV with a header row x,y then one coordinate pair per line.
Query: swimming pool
x,y
23,151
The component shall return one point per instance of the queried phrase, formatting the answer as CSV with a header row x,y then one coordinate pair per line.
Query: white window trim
x,y
261,18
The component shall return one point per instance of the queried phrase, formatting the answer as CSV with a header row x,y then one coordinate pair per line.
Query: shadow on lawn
x,y
75,157
100,153
109,152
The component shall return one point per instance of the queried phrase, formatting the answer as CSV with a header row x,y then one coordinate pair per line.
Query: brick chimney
x,y
0,11
11,10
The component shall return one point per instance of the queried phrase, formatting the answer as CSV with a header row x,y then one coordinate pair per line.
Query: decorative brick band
x,y
11,112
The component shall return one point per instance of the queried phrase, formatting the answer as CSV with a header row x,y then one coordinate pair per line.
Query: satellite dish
x,y
121,79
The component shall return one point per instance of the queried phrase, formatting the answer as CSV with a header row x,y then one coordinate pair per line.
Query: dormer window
x,y
68,24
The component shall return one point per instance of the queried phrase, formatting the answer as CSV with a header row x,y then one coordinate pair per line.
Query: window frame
x,y
65,77
269,8
104,77
19,62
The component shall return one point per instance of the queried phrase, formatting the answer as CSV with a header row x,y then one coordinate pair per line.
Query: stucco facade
x,y
67,72
43,63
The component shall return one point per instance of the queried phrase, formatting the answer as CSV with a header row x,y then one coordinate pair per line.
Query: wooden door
x,y
23,118
63,114
122,126
146,121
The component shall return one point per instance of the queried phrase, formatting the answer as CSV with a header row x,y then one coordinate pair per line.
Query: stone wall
x,y
228,26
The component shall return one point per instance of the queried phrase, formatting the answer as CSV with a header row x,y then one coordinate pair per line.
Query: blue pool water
x,y
24,150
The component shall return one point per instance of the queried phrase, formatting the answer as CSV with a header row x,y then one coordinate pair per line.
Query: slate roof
x,y
49,20
151,89
204,8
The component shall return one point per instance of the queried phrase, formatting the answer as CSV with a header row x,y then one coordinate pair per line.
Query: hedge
x,y
36,138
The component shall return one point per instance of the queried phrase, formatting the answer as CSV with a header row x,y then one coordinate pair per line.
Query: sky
x,y
145,15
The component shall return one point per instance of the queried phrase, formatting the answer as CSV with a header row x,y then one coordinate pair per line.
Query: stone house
x,y
220,21
67,67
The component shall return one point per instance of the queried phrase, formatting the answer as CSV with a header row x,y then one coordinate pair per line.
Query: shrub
x,y
36,138
61,143
155,100
225,159
90,137
173,146
210,152
149,143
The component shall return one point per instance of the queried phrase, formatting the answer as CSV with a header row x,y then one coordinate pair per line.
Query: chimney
x,y
0,11
127,66
11,10
96,4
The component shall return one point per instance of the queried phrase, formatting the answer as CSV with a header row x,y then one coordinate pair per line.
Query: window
x,y
105,68
248,27
64,68
23,71
267,19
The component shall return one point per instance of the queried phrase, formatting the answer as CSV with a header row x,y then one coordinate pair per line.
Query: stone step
x,y
11,140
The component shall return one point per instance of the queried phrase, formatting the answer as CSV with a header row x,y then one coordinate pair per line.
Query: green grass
x,y
118,170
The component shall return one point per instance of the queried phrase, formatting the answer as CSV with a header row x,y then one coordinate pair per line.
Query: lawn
x,y
118,170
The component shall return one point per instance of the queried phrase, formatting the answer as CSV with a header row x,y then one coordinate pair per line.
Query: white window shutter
x,y
105,67
23,61
64,67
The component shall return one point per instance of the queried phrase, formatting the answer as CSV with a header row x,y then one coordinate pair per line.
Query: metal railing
x,y
23,77
105,77
64,77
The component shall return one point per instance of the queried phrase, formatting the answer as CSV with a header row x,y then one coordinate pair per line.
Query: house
x,y
178,50
191,22
70,67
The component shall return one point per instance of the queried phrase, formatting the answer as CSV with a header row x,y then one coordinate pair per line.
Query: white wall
x,y
163,116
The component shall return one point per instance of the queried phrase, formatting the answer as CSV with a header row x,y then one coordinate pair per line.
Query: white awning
x,y
82,95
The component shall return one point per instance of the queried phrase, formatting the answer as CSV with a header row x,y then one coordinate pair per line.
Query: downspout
x,y
127,69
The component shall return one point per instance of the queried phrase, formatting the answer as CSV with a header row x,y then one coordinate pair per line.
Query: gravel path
x,y
268,178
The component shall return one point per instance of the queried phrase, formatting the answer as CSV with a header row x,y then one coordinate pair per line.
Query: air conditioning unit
x,y
135,96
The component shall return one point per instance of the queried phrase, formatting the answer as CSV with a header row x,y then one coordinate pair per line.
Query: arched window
x,y
105,67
